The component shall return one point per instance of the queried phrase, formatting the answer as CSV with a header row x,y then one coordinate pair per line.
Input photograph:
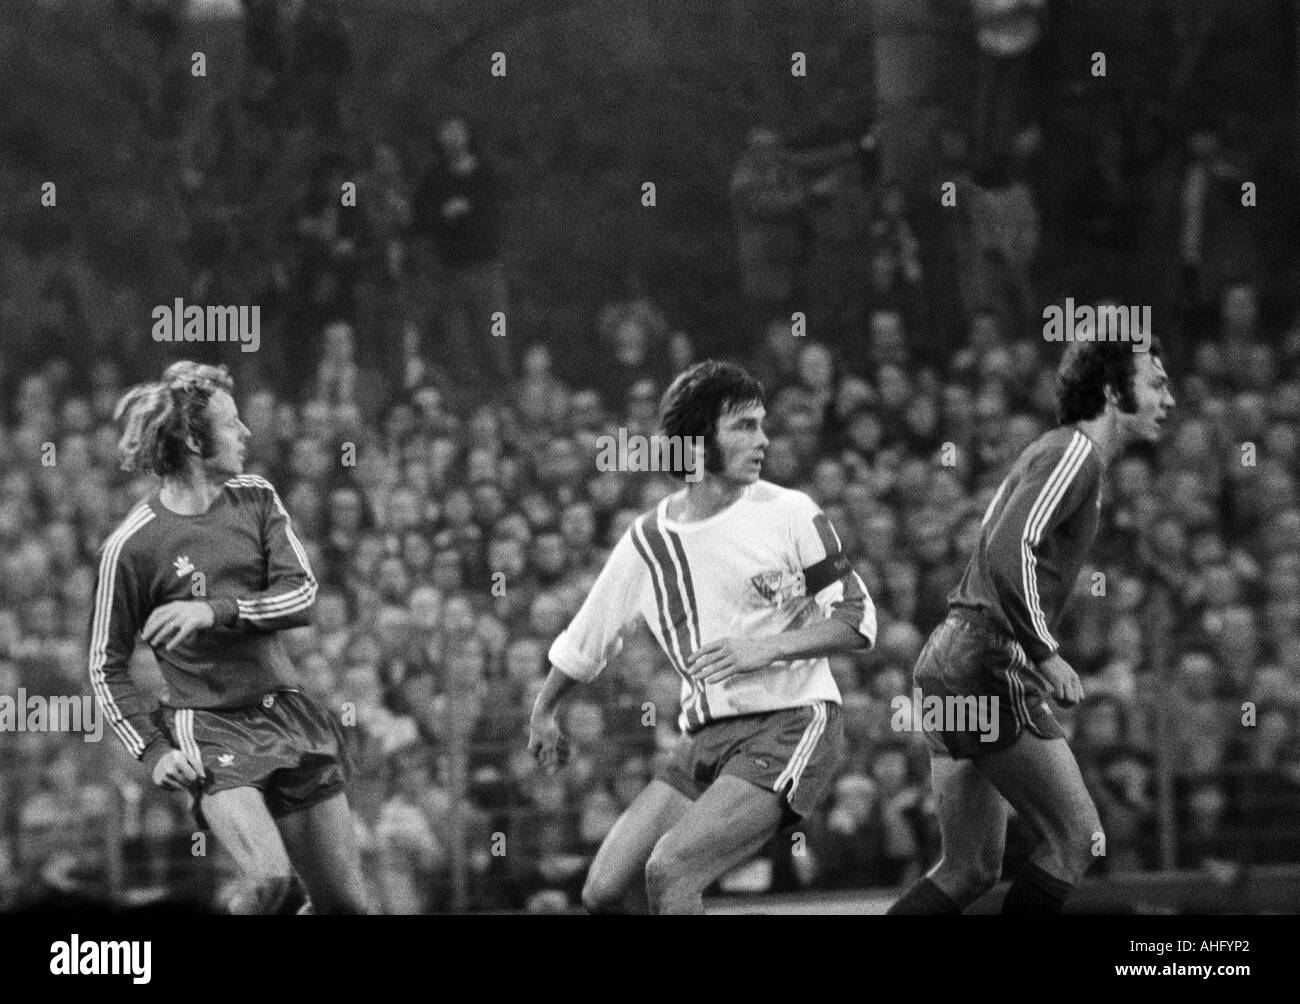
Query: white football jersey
x,y
769,562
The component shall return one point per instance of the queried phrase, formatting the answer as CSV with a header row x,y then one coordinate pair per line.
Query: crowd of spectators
x,y
449,502
453,546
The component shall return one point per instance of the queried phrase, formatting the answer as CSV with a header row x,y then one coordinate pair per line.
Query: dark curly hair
x,y
158,418
1087,370
697,398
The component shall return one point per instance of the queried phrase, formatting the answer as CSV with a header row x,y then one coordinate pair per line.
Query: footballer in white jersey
x,y
746,589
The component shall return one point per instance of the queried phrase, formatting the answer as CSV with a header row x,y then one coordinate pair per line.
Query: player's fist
x,y
547,742
1063,680
171,623
176,771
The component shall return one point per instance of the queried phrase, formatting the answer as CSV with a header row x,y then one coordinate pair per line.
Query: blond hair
x,y
158,418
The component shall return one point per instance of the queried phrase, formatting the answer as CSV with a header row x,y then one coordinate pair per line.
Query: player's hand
x,y
1064,681
176,771
719,660
547,742
172,623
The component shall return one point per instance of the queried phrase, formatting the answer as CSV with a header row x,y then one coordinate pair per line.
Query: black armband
x,y
830,569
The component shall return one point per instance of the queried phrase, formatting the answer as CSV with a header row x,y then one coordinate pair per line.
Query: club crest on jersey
x,y
183,566
779,587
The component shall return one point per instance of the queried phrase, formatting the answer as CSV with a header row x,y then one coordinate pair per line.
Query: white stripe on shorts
x,y
185,733
803,751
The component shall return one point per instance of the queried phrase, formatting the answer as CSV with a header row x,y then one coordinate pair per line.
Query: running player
x,y
745,587
997,643
206,570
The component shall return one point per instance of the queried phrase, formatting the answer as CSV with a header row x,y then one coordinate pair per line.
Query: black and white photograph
x,y
582,457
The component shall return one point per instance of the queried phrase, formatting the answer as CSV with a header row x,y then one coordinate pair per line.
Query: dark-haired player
x,y
997,643
206,570
746,589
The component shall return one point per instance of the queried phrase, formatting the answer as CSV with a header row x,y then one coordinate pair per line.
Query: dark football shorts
x,y
288,746
967,657
793,752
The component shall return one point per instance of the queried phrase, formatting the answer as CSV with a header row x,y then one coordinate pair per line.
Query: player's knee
x,y
662,871
601,896
1078,842
668,877
261,896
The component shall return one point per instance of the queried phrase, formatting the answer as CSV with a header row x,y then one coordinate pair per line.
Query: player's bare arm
x,y
546,740
727,657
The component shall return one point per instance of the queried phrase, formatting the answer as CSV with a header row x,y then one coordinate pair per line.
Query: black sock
x,y
924,898
1036,893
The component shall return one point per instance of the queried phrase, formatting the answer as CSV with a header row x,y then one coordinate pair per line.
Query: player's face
x,y
229,437
742,443
1154,400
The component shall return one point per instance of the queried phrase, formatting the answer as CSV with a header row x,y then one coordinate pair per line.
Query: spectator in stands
x,y
413,836
1199,733
328,232
458,207
769,209
1007,98
633,338
384,197
340,381
1004,230
890,293
1214,245
322,57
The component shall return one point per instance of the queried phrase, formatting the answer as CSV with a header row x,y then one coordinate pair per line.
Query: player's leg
x,y
1041,779
724,828
618,873
308,800
973,827
322,844
242,824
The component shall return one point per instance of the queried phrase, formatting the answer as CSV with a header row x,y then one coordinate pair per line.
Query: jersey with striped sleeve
x,y
243,558
770,562
1033,540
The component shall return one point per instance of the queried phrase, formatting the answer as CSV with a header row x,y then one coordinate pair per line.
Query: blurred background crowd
x,y
440,469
